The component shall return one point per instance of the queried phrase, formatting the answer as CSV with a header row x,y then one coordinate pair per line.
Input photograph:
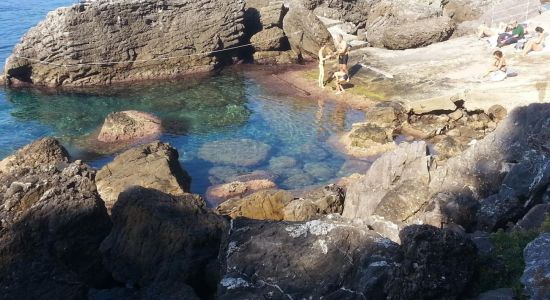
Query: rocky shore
x,y
411,227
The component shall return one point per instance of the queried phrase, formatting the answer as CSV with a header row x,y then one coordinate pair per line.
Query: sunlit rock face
x,y
152,39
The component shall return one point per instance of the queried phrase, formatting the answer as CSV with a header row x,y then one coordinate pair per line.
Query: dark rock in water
x,y
128,126
137,33
52,223
237,152
534,219
305,32
499,294
158,240
153,165
43,153
327,258
536,277
437,264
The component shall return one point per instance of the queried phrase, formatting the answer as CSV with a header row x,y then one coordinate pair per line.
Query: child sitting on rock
x,y
497,71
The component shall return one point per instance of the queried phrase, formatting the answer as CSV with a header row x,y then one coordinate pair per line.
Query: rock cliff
x,y
77,45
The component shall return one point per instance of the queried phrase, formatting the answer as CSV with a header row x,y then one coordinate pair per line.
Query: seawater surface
x,y
194,112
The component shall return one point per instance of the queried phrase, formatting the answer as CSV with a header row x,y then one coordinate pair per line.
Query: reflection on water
x,y
193,113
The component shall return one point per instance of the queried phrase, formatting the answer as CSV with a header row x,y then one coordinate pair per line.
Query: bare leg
x,y
321,76
528,47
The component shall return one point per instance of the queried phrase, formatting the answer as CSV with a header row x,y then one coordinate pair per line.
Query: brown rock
x,y
263,205
271,39
219,193
497,112
275,57
130,125
153,165
43,153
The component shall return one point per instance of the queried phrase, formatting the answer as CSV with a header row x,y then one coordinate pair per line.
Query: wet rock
x,y
263,205
354,166
272,39
255,175
44,153
304,259
141,30
437,264
219,193
221,174
158,239
52,222
238,152
313,152
153,166
498,294
130,125
281,162
305,32
534,219
299,180
536,276
320,171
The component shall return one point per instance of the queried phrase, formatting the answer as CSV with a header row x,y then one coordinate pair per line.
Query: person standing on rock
x,y
342,49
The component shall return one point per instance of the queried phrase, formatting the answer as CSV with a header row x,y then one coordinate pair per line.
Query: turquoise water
x,y
194,112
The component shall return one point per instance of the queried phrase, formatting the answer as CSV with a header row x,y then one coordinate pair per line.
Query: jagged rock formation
x,y
152,165
140,33
129,126
536,277
163,243
494,181
52,222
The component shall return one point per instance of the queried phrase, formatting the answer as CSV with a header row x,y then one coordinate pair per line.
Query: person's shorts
x,y
343,59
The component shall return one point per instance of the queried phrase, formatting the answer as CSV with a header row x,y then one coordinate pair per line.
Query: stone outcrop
x,y
152,165
141,34
437,264
272,39
237,152
495,181
536,277
52,223
305,32
237,189
159,240
327,258
129,126
280,205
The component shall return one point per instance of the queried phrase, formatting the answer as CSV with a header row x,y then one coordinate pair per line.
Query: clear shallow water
x,y
194,112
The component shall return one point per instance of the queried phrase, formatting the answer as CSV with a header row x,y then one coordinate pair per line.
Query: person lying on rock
x,y
497,70
513,37
342,49
536,43
322,59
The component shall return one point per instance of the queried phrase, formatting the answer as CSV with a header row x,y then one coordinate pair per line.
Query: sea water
x,y
227,106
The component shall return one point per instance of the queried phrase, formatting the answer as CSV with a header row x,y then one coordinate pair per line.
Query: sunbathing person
x,y
497,70
513,37
536,43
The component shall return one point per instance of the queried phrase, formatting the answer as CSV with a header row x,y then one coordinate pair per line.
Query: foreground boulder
x,y
536,277
437,264
52,223
130,125
140,35
153,165
326,258
159,240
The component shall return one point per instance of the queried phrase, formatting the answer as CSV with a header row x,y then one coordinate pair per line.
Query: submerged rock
x,y
52,222
162,240
536,277
153,165
130,125
238,152
137,33
304,259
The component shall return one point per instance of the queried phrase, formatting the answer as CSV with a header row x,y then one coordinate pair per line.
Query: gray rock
x,y
536,275
136,32
52,222
498,294
272,39
237,152
305,32
260,14
437,264
418,33
314,203
386,114
158,239
154,165
326,258
534,219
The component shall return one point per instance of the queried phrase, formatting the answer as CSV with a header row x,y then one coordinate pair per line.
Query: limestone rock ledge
x,y
140,33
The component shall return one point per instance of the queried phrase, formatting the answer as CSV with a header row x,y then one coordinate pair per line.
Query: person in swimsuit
x,y
498,67
342,49
340,77
535,44
322,59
